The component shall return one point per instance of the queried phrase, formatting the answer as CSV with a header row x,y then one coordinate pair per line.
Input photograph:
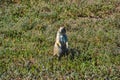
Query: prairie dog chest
x,y
63,39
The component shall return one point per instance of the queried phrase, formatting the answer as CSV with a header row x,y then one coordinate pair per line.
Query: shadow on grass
x,y
73,52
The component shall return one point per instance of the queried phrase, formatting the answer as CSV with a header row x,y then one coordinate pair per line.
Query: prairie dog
x,y
61,43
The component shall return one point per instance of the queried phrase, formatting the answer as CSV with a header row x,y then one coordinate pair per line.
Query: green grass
x,y
27,35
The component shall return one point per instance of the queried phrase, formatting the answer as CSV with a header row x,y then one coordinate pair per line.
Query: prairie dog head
x,y
62,30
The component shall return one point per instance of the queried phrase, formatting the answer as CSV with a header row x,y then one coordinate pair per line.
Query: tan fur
x,y
57,47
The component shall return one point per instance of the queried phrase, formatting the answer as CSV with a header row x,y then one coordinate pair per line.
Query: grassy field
x,y
27,35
